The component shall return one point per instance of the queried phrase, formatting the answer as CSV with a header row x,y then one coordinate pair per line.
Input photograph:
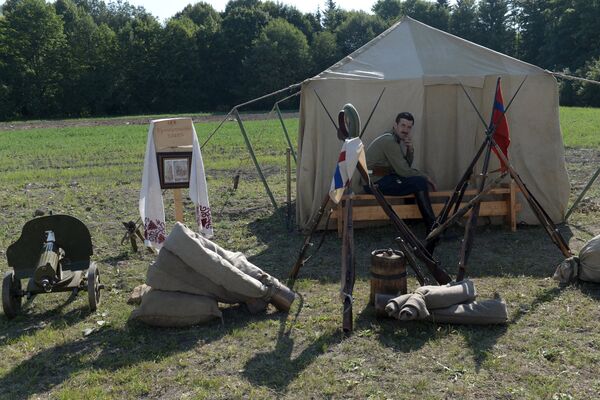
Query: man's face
x,y
402,128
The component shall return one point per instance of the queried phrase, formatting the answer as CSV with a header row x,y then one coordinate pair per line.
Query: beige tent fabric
x,y
476,313
589,261
175,309
421,69
447,295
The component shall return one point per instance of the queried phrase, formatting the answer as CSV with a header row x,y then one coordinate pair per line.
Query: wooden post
x,y
288,163
178,202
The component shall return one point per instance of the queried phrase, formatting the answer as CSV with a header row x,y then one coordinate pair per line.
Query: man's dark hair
x,y
406,115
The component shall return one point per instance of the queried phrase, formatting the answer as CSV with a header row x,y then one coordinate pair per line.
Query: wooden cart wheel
x,y
93,286
11,295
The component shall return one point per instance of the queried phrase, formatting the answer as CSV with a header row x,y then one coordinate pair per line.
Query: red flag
x,y
501,135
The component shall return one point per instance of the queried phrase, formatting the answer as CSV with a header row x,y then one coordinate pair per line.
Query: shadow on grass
x,y
278,368
409,336
496,251
110,349
22,324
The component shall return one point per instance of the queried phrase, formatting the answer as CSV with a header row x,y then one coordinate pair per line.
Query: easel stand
x,y
178,204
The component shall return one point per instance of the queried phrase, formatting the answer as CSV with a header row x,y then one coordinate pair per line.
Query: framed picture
x,y
174,169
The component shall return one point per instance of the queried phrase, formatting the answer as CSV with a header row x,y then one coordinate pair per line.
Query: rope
x,y
574,78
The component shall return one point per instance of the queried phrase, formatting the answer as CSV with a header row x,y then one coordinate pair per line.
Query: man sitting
x,y
389,160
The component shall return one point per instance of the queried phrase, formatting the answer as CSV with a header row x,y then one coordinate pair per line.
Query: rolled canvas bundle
x,y
192,265
453,303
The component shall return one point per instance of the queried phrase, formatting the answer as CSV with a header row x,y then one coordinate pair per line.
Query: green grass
x,y
549,350
580,126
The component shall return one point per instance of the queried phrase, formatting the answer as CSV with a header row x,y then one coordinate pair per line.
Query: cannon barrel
x,y
46,271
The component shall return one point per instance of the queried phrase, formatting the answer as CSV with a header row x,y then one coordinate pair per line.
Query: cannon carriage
x,y
54,253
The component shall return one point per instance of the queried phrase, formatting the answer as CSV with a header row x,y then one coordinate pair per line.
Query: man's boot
x,y
424,204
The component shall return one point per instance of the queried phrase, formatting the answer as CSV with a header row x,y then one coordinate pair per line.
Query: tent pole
x,y
285,132
253,156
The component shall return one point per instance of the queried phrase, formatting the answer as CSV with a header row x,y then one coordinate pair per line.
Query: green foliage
x,y
358,29
34,44
324,51
388,10
279,58
588,92
463,20
495,31
434,14
89,57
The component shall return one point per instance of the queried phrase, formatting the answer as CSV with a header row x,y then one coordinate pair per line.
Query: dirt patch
x,y
23,125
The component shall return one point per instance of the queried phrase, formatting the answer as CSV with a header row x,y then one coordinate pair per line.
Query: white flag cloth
x,y
353,152
151,205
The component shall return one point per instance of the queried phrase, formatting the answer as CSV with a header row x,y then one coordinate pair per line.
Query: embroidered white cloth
x,y
151,201
352,153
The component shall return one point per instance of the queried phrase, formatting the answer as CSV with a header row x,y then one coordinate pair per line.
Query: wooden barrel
x,y
388,273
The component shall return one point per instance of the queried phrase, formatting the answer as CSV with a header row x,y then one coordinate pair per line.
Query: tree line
x,y
75,58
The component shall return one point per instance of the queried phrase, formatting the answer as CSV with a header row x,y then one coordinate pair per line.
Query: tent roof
x,y
412,50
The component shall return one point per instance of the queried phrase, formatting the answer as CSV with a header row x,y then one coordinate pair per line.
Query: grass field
x,y
57,349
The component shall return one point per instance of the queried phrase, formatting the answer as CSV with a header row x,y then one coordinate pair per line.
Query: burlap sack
x,y
190,248
170,273
447,295
589,261
567,271
237,259
175,309
477,313
407,307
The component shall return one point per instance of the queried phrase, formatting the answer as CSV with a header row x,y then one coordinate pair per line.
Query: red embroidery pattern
x,y
154,230
203,217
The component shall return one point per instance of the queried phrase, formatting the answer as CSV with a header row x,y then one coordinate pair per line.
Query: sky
x,y
164,9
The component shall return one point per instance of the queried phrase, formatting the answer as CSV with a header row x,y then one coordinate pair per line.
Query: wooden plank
x,y
512,202
444,193
411,211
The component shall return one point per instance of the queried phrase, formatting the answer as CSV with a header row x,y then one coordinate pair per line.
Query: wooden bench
x,y
501,201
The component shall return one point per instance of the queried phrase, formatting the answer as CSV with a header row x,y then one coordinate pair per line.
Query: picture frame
x,y
174,169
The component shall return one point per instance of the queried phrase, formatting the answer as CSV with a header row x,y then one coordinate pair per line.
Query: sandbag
x,y
589,261
168,272
477,313
175,309
190,248
407,307
237,259
567,271
447,295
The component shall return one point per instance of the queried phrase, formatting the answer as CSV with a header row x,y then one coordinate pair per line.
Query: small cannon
x,y
54,252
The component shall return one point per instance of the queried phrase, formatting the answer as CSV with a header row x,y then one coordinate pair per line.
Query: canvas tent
x,y
421,69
